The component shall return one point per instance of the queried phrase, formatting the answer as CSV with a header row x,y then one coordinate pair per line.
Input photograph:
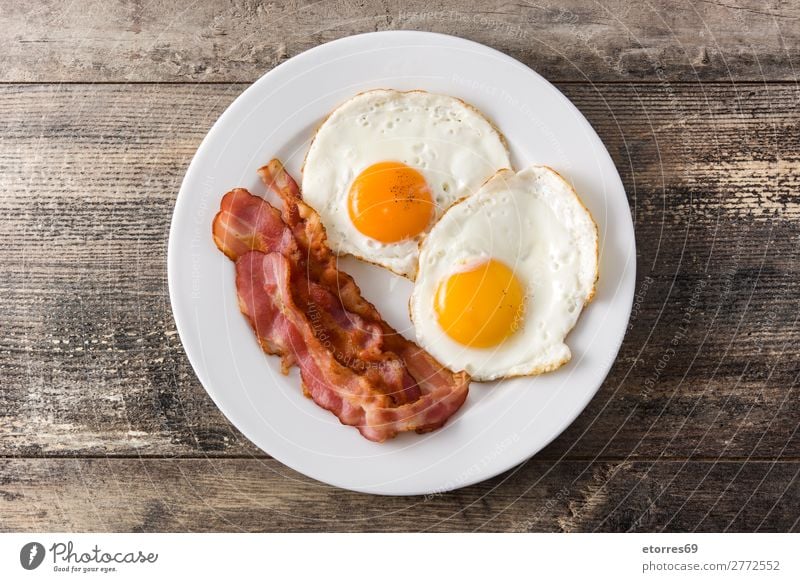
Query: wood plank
x,y
262,495
233,40
90,362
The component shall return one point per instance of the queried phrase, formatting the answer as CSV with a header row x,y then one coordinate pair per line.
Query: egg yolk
x,y
390,202
482,306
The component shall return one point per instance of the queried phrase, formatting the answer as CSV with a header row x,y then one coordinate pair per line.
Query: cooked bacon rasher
x,y
305,310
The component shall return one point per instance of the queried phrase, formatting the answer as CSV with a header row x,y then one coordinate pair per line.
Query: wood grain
x,y
262,495
92,364
103,425
239,40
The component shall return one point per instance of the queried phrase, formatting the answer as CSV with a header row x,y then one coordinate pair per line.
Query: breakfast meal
x,y
503,262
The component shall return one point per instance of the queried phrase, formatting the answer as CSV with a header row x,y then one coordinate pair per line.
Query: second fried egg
x,y
504,275
385,166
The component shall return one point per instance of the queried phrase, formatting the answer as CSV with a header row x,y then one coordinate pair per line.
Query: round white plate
x,y
501,424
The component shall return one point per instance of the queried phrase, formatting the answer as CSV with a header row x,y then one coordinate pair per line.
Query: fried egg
x,y
504,275
385,166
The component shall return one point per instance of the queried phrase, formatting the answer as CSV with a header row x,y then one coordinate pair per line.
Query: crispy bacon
x,y
246,222
313,315
310,236
263,285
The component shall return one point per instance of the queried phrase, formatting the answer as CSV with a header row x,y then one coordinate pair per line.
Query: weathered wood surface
x,y
92,364
238,40
103,425
263,495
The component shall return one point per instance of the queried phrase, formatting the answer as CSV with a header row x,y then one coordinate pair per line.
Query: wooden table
x,y
104,425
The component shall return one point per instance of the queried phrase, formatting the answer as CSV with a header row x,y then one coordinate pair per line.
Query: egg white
x,y
535,223
453,146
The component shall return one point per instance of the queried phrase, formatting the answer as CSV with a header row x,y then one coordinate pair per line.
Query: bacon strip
x,y
246,222
262,282
313,315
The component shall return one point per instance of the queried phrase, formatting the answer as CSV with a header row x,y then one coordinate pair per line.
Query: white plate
x,y
500,425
